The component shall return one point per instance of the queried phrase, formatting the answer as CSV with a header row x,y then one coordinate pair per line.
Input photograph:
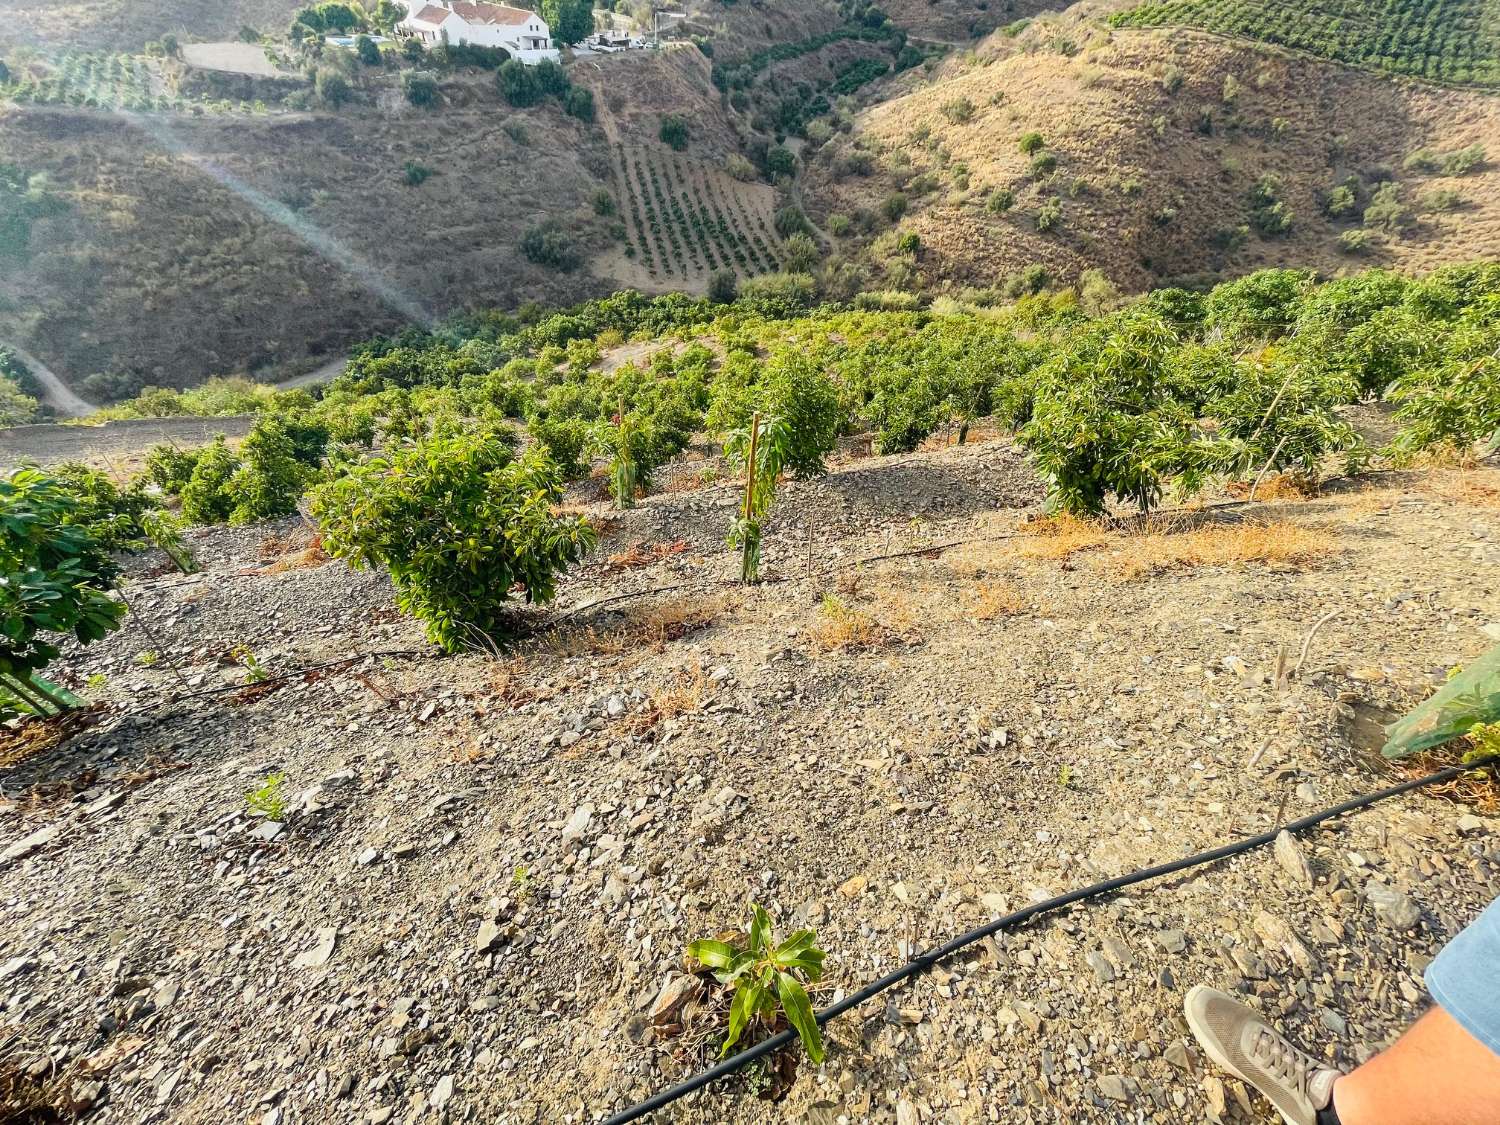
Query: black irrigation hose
x,y
924,961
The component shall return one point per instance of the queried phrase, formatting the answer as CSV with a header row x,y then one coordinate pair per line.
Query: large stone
x,y
318,955
28,844
673,995
1289,854
1395,908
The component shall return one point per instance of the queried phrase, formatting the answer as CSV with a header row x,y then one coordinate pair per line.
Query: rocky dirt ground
x,y
489,867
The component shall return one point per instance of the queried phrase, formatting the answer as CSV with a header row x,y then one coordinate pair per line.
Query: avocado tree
x,y
55,579
462,523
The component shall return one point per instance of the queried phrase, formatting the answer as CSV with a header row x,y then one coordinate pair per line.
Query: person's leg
x,y
1435,1074
1444,1071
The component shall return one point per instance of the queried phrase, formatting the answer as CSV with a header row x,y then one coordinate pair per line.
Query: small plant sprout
x,y
147,657
1065,776
767,977
255,671
268,800
521,882
97,682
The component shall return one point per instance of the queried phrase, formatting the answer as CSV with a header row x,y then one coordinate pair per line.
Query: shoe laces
x,y
1290,1066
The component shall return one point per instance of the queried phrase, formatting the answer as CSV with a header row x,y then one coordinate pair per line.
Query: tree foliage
x,y
462,524
55,580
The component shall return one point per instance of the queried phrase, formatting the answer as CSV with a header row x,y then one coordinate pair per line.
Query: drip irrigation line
x,y
924,961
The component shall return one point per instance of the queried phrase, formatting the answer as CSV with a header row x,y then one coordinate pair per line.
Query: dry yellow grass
x,y
840,626
1280,486
1277,543
652,626
1057,537
988,601
1478,490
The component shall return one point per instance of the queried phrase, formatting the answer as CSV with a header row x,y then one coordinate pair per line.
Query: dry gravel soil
x,y
488,867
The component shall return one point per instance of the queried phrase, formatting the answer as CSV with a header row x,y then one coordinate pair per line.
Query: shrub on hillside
x,y
420,89
1031,143
1269,214
367,50
461,523
548,244
1386,211
55,580
579,103
674,132
518,83
332,88
723,286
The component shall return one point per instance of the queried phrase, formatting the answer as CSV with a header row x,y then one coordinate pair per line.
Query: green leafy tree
x,y
55,579
111,514
367,50
206,497
270,479
16,407
518,84
1104,422
571,21
462,524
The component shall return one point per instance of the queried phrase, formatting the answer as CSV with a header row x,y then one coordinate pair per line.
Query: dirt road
x,y
57,394
114,445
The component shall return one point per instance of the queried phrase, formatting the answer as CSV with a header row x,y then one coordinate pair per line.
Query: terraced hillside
x,y
687,219
1443,40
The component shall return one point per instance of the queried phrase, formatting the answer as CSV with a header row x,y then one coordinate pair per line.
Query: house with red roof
x,y
521,33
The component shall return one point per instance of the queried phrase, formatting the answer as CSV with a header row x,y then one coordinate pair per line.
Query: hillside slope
x,y
177,246
1160,140
127,25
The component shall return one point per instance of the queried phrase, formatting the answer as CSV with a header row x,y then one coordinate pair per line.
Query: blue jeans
x,y
1464,979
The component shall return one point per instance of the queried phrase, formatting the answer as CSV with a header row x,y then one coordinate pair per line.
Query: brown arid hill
x,y
1159,139
186,246
739,29
959,22
127,25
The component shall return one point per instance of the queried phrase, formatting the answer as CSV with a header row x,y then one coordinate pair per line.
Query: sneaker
x,y
1236,1038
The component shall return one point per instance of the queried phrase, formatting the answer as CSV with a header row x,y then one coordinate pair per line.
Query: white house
x,y
525,35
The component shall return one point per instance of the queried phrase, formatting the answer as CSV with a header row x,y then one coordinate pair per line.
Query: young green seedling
x,y
767,976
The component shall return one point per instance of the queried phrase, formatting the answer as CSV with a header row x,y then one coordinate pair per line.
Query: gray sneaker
x,y
1236,1038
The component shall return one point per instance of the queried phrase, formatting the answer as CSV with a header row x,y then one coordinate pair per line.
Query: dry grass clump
x,y
1474,489
1280,486
693,482
840,626
989,601
684,694
1057,537
1277,543
640,554
651,626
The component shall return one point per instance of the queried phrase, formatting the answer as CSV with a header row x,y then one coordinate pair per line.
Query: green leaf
x,y
714,954
792,946
799,1012
760,930
746,1000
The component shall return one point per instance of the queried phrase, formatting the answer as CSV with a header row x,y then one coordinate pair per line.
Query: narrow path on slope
x,y
55,392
